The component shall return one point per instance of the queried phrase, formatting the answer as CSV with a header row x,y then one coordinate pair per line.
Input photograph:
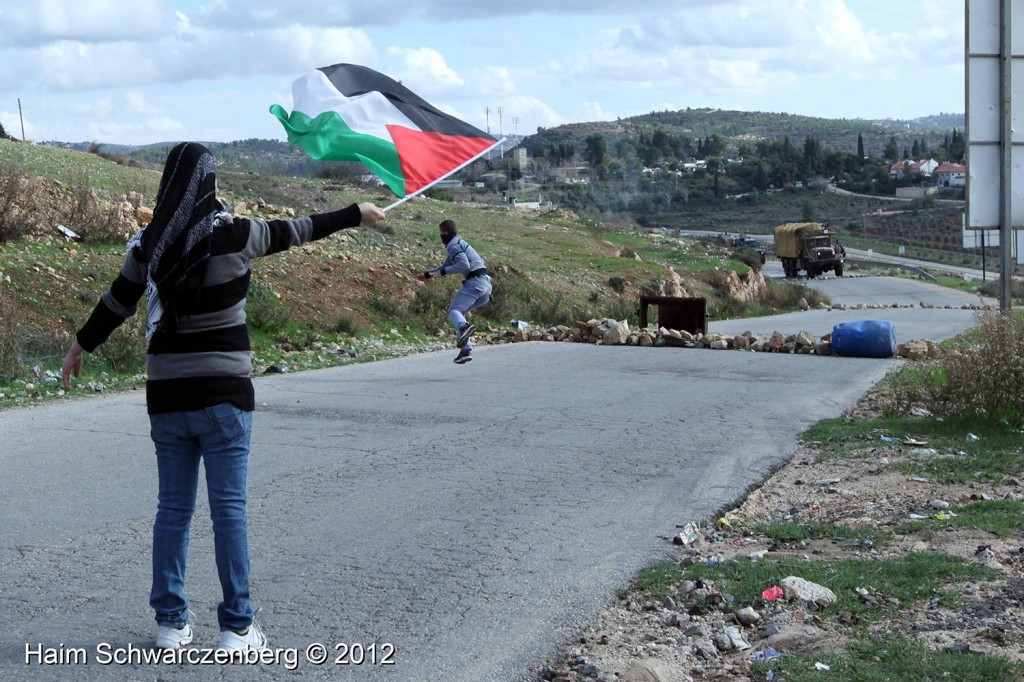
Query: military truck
x,y
811,247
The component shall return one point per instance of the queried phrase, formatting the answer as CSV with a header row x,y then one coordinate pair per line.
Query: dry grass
x,y
18,212
983,377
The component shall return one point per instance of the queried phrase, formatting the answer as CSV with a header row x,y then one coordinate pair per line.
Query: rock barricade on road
x,y
610,332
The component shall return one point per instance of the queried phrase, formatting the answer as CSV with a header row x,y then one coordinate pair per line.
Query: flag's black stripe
x,y
352,80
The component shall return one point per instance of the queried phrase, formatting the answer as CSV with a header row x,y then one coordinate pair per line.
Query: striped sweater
x,y
207,360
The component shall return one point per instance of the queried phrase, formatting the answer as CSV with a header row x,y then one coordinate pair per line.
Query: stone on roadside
x,y
615,333
652,670
793,638
914,350
805,339
804,590
747,616
736,638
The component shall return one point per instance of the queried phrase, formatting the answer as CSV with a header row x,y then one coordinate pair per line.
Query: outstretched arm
x,y
264,237
454,265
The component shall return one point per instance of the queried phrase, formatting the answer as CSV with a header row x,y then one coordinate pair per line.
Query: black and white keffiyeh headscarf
x,y
177,242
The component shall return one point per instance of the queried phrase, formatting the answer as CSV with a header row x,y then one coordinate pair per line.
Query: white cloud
x,y
159,66
423,70
748,48
188,55
43,21
532,112
263,13
136,102
494,81
592,111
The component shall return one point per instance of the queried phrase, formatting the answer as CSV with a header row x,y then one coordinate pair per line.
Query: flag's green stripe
x,y
328,138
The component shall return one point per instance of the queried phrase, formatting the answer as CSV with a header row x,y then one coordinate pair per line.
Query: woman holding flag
x,y
193,262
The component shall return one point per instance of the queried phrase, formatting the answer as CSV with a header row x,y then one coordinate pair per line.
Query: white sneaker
x,y
170,637
252,639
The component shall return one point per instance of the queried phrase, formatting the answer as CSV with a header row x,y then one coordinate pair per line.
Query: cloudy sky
x,y
145,71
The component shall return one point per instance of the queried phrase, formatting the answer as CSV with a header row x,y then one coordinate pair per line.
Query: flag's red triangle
x,y
427,156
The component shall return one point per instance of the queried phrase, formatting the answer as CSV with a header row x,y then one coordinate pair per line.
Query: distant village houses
x,y
902,168
951,175
571,174
942,175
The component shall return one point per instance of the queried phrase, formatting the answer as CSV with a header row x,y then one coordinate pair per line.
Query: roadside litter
x,y
765,655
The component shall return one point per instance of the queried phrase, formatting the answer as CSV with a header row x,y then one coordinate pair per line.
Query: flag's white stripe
x,y
313,94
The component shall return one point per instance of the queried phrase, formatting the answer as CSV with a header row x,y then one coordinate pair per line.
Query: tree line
x,y
646,170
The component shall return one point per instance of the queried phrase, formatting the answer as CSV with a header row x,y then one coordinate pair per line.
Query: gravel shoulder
x,y
639,639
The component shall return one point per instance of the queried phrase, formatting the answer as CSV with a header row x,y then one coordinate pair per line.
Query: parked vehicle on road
x,y
753,244
813,248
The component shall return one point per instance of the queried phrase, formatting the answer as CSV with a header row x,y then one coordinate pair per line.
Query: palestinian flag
x,y
351,113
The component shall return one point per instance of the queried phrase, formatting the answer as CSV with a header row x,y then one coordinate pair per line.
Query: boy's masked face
x,y
447,237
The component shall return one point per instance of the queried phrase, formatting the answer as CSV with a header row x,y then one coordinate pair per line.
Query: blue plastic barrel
x,y
864,339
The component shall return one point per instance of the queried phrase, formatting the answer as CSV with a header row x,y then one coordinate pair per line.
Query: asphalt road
x,y
472,517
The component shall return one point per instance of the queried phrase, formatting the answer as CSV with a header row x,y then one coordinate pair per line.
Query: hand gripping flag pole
x,y
347,112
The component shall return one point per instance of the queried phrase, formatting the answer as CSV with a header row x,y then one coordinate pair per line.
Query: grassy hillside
x,y
354,294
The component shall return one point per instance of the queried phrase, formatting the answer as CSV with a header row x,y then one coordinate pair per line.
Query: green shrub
x,y
89,219
516,297
748,257
125,350
994,288
440,194
618,308
786,296
12,348
264,311
429,307
346,324
389,304
983,379
18,213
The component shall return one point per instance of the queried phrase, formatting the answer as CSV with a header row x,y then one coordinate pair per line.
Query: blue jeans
x,y
220,436
474,293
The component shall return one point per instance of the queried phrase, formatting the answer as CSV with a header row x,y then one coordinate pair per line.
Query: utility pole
x,y
487,117
501,133
22,118
1006,122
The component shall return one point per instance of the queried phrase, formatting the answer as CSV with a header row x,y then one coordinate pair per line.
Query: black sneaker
x,y
463,357
464,334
